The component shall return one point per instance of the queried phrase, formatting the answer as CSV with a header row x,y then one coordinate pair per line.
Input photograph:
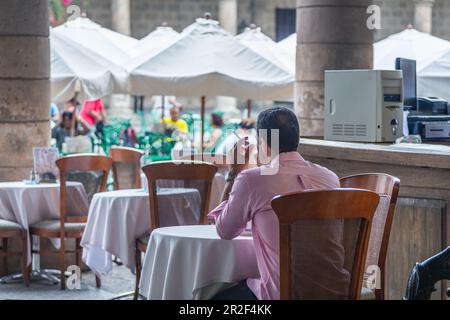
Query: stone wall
x,y
397,14
97,10
148,14
264,13
441,24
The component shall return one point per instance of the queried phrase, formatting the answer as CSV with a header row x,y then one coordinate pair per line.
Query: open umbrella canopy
x,y
157,40
75,68
434,79
410,44
208,61
256,40
432,56
112,46
288,47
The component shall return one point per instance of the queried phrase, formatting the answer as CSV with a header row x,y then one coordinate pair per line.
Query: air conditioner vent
x,y
338,129
350,130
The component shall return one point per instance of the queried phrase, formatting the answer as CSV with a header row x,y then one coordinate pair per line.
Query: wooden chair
x,y
219,160
126,167
316,207
71,226
173,170
9,229
387,187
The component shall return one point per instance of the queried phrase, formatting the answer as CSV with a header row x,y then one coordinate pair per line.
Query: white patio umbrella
x,y
206,60
75,68
112,46
157,40
288,47
410,44
434,79
432,56
256,40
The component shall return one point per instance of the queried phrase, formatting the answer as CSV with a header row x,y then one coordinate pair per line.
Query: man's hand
x,y
238,158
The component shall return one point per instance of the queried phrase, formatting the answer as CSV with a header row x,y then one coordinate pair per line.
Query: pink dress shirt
x,y
249,201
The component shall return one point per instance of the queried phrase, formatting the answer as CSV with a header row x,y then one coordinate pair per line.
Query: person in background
x,y
93,115
54,115
166,102
216,135
247,198
72,106
69,127
175,123
138,103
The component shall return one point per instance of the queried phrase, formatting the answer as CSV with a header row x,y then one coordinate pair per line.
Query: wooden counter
x,y
422,219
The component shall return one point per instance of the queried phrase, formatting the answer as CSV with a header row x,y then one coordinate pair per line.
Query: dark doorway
x,y
285,23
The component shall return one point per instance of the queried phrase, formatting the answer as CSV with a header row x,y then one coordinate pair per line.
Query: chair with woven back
x,y
126,167
70,225
387,187
192,175
8,230
314,264
219,160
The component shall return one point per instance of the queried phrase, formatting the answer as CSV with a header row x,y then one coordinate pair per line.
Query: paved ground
x,y
120,281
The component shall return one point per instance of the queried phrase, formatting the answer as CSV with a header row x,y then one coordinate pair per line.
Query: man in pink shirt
x,y
248,195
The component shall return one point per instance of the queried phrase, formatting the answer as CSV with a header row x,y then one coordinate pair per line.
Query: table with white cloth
x,y
117,218
192,262
27,204
218,185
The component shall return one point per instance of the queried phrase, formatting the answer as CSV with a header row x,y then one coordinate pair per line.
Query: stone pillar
x,y
332,34
228,15
119,104
228,18
121,17
24,85
423,15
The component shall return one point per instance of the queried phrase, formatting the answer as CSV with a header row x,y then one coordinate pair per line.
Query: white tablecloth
x,y
28,204
216,190
116,219
192,262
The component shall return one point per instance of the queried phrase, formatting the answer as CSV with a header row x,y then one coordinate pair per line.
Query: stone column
x,y
121,17
228,18
24,85
423,15
332,34
228,15
120,104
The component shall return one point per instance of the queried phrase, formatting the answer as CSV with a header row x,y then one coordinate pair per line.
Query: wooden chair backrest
x,y
178,170
325,205
80,162
383,185
123,155
219,160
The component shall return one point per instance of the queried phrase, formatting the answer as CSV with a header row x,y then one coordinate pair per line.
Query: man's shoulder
x,y
250,174
326,173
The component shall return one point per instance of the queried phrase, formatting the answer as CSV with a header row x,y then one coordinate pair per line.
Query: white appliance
x,y
363,105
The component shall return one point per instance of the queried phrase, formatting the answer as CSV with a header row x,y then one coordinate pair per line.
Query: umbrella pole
x,y
249,109
163,108
202,112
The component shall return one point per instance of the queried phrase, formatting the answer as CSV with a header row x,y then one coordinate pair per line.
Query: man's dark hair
x,y
286,122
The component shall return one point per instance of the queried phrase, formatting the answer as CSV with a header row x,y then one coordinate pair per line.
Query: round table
x,y
116,219
217,187
28,204
192,262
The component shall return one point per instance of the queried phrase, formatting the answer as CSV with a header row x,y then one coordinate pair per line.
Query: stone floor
x,y
121,280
